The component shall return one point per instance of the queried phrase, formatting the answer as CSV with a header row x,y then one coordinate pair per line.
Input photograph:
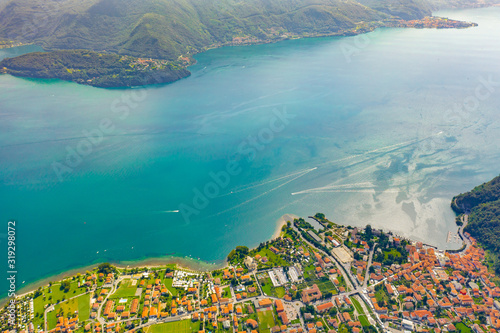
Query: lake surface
x,y
383,128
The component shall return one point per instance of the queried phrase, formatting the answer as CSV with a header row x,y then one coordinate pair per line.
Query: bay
x,y
383,128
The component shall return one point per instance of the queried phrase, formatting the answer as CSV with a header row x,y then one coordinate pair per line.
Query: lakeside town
x,y
277,34
431,22
7,44
328,278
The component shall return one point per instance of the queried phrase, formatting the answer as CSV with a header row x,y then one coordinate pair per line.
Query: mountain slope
x,y
483,205
167,28
405,9
481,194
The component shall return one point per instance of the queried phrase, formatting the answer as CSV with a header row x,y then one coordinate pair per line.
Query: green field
x,y
462,328
395,254
357,306
168,284
279,292
80,304
309,272
381,295
183,326
226,292
324,286
38,304
125,290
273,259
362,317
266,321
269,290
364,321
274,292
55,295
58,294
84,307
266,286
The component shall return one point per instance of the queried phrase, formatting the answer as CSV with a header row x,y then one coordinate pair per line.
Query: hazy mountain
x,y
167,28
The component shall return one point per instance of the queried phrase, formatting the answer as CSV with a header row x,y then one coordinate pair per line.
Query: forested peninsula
x,y
95,69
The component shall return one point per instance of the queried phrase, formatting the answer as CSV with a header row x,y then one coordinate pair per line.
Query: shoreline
x,y
11,46
181,262
281,222
342,33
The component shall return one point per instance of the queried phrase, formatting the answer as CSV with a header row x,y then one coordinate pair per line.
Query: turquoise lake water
x,y
382,128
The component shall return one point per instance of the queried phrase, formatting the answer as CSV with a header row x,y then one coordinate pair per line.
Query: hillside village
x,y
431,22
327,278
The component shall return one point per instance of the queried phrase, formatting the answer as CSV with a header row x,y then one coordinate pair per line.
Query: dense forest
x,y
483,206
481,194
91,68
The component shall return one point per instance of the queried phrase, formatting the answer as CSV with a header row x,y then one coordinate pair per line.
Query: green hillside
x,y
405,9
165,29
483,205
481,194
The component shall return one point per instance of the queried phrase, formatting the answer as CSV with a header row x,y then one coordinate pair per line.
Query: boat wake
x,y
301,174
255,185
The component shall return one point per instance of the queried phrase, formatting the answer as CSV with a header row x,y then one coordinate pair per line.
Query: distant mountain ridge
x,y
174,30
165,29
